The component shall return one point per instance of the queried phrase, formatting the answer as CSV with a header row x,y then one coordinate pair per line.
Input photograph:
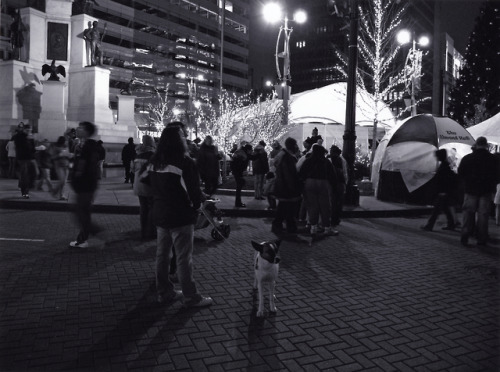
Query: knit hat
x,y
335,150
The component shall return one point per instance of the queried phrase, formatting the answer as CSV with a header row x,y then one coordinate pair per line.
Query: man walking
x,y
480,175
128,156
84,181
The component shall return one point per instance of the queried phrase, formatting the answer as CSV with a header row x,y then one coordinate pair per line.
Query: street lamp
x,y
414,58
192,105
273,13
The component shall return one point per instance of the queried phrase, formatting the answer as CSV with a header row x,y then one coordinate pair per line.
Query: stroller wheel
x,y
216,235
226,230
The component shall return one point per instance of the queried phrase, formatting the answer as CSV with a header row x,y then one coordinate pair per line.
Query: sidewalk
x,y
114,196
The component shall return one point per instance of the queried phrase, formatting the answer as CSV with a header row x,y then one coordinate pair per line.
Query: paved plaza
x,y
381,296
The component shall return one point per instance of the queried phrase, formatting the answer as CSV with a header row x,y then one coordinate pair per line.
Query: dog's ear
x,y
278,243
257,246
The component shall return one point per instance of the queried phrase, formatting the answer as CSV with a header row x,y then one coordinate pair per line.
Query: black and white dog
x,y
266,271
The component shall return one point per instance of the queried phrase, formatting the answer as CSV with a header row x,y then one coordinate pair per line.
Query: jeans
x,y
128,174
45,177
62,175
317,201
480,205
181,238
83,214
441,204
146,216
259,185
24,176
240,182
286,211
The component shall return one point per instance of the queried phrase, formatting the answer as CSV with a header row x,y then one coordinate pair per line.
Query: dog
x,y
266,271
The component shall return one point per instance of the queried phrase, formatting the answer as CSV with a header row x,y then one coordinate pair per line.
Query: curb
x,y
237,212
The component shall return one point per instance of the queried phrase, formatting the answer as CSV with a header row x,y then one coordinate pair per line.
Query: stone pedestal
x,y
126,113
52,122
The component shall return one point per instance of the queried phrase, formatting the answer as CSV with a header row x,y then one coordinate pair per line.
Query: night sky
x,y
458,19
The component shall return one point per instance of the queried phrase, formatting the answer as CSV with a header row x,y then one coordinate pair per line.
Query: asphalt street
x,y
381,296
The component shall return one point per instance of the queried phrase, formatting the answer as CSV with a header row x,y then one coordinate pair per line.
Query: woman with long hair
x,y
177,197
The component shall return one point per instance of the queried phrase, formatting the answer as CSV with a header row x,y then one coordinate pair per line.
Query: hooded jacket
x,y
260,164
287,186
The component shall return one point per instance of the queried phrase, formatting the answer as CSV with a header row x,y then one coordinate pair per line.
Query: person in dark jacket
x,y
208,165
480,175
84,181
338,193
128,156
25,156
144,191
260,166
319,177
445,185
177,197
287,187
239,165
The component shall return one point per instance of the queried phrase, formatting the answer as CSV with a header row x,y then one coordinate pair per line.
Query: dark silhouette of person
x,y
128,156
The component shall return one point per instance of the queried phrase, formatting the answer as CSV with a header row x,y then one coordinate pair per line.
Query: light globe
x,y
272,12
423,41
403,37
300,16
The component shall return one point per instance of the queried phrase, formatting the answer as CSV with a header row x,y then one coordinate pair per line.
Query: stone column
x,y
52,122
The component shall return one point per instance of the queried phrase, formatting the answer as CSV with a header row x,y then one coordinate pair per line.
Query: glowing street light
x,y
415,57
273,14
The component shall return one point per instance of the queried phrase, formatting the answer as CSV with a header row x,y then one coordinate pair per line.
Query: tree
x,y
159,112
377,72
476,95
263,121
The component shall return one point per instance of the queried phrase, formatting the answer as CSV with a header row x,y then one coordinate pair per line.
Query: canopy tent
x,y
404,162
328,104
489,128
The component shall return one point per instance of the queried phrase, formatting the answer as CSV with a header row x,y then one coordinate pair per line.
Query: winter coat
x,y
128,153
176,192
318,168
144,153
239,162
85,171
479,172
260,164
446,179
208,162
25,147
287,186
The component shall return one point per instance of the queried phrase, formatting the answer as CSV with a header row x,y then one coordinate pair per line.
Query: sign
x,y
57,41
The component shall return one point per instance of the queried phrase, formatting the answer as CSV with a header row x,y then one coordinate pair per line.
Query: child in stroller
x,y
211,215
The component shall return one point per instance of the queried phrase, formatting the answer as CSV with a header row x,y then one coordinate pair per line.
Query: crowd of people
x,y
173,176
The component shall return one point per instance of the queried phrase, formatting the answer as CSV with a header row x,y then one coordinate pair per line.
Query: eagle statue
x,y
53,70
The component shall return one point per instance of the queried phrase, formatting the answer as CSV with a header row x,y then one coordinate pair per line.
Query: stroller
x,y
211,215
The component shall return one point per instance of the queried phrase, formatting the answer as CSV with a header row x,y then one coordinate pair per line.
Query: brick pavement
x,y
382,296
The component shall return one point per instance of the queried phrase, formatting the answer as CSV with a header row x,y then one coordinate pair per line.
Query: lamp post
x,y
273,13
414,58
192,104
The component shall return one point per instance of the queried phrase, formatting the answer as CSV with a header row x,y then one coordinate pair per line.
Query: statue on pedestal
x,y
88,41
95,39
17,28
53,70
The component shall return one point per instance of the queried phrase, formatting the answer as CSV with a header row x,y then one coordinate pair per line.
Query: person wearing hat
x,y
260,166
337,200
239,165
479,171
25,156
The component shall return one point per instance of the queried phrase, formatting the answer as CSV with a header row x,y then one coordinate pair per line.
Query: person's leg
x,y
24,178
260,181
126,166
83,205
311,200
468,216
183,244
325,204
450,218
483,214
290,212
256,188
151,229
240,182
497,214
12,167
45,175
337,204
434,215
279,216
164,242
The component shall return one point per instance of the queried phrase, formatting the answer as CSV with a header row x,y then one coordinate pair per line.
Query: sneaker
x,y
167,300
75,244
203,302
26,196
331,232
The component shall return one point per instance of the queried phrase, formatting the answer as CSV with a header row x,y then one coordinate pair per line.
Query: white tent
x,y
489,128
406,153
328,104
